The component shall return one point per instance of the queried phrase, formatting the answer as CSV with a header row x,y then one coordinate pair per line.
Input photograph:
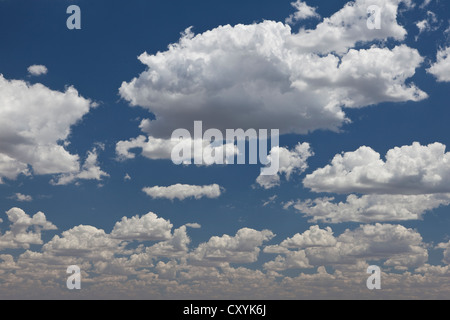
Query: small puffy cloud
x,y
161,149
20,235
290,162
33,121
37,70
22,197
89,171
441,68
184,191
152,148
431,23
193,225
146,228
242,248
371,208
408,170
303,12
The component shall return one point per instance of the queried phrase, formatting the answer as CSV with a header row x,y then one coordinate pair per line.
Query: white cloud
x,y
170,268
290,260
146,228
348,26
193,225
408,170
161,149
441,69
33,122
184,191
175,247
314,237
37,70
303,12
431,23
83,242
371,208
410,182
152,148
290,162
398,246
22,197
278,79
446,247
89,171
108,252
20,235
242,248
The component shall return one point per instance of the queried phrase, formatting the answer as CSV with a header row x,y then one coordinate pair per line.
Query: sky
x,y
86,170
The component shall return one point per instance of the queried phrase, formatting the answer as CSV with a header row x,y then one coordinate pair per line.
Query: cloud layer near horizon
x,y
144,256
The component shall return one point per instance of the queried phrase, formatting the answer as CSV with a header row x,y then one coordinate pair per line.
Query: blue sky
x,y
375,101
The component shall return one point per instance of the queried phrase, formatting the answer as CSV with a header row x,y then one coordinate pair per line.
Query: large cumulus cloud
x,y
266,76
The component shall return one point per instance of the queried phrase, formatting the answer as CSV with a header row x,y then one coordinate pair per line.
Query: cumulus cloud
x,y
446,247
348,26
184,191
19,235
314,237
303,12
88,242
171,268
175,247
83,242
146,228
22,197
161,149
441,68
398,246
89,171
33,121
408,170
411,181
290,162
295,82
37,70
371,208
242,248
